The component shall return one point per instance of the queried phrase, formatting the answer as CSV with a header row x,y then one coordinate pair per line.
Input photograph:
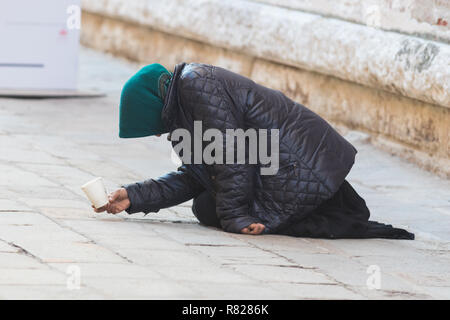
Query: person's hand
x,y
118,202
254,228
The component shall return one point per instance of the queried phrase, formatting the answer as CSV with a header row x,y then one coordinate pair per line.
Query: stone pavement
x,y
51,241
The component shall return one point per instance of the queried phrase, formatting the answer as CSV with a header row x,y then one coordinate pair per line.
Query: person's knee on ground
x,y
204,208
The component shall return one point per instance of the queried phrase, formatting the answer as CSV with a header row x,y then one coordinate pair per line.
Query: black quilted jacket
x,y
314,158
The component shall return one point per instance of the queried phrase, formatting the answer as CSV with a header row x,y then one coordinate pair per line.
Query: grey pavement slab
x,y
46,292
7,248
50,147
284,274
17,276
11,260
12,205
319,291
233,291
131,288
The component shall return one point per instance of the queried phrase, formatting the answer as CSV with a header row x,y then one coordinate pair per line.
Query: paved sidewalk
x,y
49,235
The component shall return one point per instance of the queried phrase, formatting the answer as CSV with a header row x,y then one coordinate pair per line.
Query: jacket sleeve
x,y
231,182
169,190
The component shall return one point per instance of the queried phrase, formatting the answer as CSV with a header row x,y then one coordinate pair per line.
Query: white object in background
x,y
96,192
39,44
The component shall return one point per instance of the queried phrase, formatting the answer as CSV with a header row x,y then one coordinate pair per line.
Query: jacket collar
x,y
170,107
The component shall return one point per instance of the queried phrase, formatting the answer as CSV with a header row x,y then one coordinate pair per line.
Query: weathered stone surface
x,y
163,258
232,291
147,45
56,203
233,255
109,270
129,288
47,190
284,243
318,291
206,273
12,177
196,235
12,260
136,241
73,213
60,174
420,127
286,274
31,276
410,16
73,252
441,293
12,205
23,219
109,228
402,64
5,247
48,292
24,235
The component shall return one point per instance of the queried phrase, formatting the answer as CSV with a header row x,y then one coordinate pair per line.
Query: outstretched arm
x,y
153,194
166,191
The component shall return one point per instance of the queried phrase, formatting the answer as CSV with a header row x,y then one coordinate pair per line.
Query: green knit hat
x,y
141,102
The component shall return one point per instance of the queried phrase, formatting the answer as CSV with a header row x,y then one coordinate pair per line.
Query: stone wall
x,y
396,86
425,18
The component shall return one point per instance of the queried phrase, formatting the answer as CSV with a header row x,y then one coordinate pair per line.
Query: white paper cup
x,y
96,192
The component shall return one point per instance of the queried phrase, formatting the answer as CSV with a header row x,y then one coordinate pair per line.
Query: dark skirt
x,y
345,215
